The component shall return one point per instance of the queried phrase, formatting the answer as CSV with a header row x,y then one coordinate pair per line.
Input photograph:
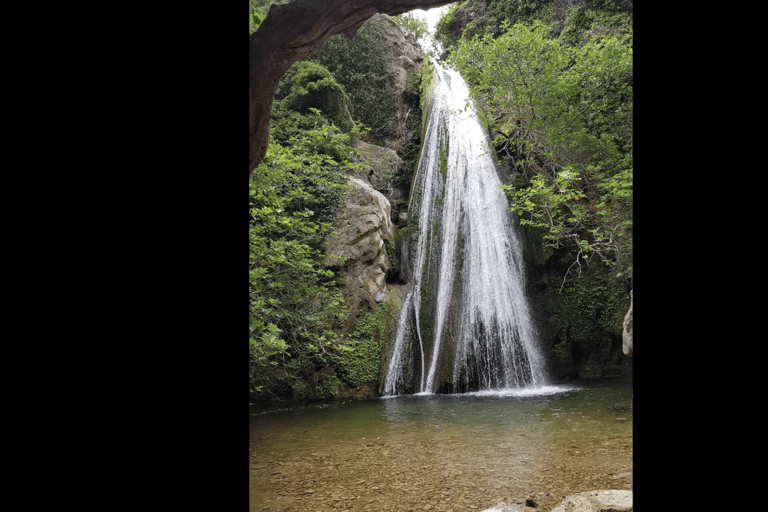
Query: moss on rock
x,y
359,363
582,324
308,85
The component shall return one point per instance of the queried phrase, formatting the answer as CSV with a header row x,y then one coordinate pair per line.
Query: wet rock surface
x,y
628,332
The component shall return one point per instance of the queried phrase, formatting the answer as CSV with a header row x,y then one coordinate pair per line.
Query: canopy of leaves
x,y
411,24
255,18
562,116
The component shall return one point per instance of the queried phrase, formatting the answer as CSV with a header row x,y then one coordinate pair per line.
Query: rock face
x,y
597,501
627,334
356,248
404,58
383,165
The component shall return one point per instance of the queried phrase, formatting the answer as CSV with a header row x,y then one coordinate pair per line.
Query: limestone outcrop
x,y
597,501
627,334
357,251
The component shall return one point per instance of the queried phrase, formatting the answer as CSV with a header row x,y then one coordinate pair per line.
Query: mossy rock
x,y
308,85
582,322
359,364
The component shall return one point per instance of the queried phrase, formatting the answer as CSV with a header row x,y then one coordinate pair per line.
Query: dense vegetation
x,y
556,81
297,347
359,65
295,195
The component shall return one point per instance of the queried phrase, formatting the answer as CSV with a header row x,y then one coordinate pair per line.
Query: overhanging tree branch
x,y
290,33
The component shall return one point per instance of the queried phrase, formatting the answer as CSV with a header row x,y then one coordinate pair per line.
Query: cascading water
x,y
465,323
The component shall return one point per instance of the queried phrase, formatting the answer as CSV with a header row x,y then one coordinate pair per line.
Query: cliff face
x,y
403,59
363,250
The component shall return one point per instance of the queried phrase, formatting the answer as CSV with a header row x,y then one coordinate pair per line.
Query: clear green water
x,y
444,452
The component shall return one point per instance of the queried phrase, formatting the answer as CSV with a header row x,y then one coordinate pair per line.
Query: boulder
x,y
627,334
597,501
356,248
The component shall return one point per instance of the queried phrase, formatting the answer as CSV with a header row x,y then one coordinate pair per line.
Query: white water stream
x,y
466,310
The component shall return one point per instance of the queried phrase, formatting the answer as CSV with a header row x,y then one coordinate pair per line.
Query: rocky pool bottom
x,y
445,452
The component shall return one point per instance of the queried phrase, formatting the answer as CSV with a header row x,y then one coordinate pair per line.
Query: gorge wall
x,y
581,327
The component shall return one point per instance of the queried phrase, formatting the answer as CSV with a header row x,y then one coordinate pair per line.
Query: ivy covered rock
x,y
307,86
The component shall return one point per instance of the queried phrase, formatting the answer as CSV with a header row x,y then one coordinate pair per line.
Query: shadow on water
x,y
452,452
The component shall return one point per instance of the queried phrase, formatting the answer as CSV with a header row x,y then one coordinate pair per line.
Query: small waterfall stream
x,y
465,324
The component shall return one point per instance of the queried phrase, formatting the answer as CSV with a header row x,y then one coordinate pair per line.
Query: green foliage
x,y
295,307
360,358
359,65
450,25
411,24
308,86
563,123
596,19
255,18
574,22
520,11
391,247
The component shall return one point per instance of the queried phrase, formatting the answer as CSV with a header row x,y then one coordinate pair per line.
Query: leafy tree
x,y
562,117
411,24
307,86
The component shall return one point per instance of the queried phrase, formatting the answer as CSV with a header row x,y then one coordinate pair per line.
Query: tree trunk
x,y
291,32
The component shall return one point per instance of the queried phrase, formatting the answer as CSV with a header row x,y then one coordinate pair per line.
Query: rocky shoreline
x,y
606,500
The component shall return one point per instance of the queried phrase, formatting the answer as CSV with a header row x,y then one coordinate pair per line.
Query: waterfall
x,y
465,324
